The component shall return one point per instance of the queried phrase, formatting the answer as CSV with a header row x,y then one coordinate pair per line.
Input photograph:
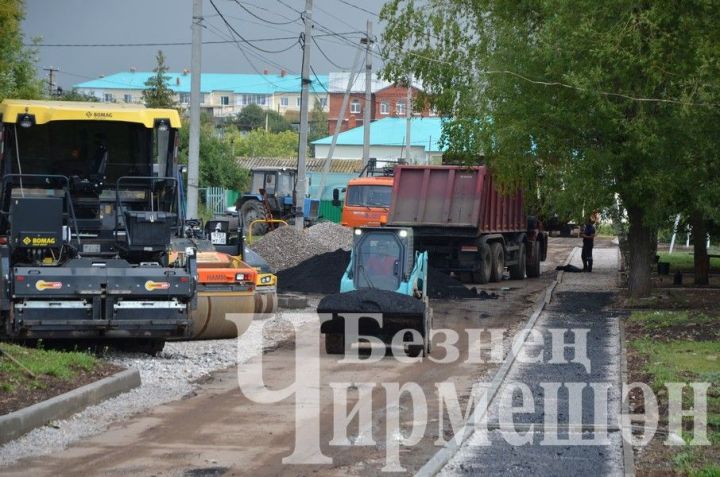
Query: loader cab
x,y
382,259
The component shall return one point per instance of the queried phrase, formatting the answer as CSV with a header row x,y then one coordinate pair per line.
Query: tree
x,y
218,167
260,143
253,116
318,123
73,95
157,93
583,101
17,63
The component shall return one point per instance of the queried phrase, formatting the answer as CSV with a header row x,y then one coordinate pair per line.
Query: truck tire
x,y
517,271
335,343
498,262
482,274
533,262
253,210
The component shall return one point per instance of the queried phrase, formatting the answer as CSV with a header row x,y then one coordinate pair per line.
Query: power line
x,y
261,18
359,8
326,56
178,43
243,38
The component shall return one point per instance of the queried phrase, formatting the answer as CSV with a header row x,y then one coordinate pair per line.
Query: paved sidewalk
x,y
579,302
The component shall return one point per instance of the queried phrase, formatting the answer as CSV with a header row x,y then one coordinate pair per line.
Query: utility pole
x,y
408,120
194,146
304,97
368,95
51,79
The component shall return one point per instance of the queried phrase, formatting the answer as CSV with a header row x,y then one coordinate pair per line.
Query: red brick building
x,y
387,102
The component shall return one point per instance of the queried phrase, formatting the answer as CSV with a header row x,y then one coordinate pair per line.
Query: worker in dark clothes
x,y
588,236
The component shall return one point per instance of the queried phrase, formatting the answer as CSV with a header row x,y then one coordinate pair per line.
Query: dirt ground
x,y
219,431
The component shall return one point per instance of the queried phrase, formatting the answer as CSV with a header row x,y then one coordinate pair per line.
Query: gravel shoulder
x,y
175,373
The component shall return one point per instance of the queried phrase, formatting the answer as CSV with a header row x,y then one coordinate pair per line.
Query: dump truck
x,y
88,207
383,292
465,224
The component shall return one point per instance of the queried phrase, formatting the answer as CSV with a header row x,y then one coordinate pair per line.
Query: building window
x,y
355,106
128,98
203,98
384,108
297,101
284,101
400,108
262,100
323,103
108,98
184,98
225,100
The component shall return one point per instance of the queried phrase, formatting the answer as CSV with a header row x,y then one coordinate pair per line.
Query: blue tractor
x,y
271,199
384,291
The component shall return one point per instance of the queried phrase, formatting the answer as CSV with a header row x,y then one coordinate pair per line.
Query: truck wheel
x,y
482,275
498,262
335,343
254,210
517,271
533,263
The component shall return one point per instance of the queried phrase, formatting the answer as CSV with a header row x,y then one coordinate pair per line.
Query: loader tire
x,y
517,271
497,270
334,343
482,274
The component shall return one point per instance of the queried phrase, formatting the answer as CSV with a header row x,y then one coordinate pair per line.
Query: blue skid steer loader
x,y
383,294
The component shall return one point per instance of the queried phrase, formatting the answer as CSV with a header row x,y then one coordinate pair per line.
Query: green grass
x,y
63,365
683,262
683,361
658,320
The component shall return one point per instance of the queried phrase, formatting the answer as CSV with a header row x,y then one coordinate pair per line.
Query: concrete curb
x,y
628,454
291,301
443,456
17,423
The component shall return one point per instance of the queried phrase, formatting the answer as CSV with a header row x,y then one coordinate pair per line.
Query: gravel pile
x,y
332,235
167,377
285,247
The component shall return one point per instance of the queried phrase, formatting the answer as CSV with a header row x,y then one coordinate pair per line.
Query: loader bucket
x,y
398,312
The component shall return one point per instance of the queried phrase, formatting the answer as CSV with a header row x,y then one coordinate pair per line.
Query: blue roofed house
x,y
387,141
222,94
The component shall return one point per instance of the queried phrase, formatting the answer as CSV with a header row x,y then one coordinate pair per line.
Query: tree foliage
x,y
18,77
73,95
253,116
260,143
218,167
584,102
157,93
318,123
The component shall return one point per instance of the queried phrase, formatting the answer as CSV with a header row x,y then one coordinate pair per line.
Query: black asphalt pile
x,y
371,300
318,274
322,274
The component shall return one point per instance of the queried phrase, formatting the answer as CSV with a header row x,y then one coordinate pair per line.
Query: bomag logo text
x,y
98,115
39,241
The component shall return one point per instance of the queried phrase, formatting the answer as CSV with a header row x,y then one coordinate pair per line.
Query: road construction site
x,y
190,415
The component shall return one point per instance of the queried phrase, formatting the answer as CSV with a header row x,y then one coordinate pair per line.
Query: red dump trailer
x,y
465,224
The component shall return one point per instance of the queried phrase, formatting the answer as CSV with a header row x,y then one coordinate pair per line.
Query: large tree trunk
x,y
702,261
641,245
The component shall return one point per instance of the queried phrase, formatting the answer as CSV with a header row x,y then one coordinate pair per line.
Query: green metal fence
x,y
329,212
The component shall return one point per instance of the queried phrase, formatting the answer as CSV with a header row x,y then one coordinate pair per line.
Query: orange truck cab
x,y
367,201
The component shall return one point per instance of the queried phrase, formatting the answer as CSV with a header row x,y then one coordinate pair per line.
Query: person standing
x,y
588,236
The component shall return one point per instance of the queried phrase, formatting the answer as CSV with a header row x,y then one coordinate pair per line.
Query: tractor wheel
x,y
482,275
517,271
253,210
533,263
498,262
335,343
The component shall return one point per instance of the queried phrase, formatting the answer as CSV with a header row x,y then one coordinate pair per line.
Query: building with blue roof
x,y
221,94
387,141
